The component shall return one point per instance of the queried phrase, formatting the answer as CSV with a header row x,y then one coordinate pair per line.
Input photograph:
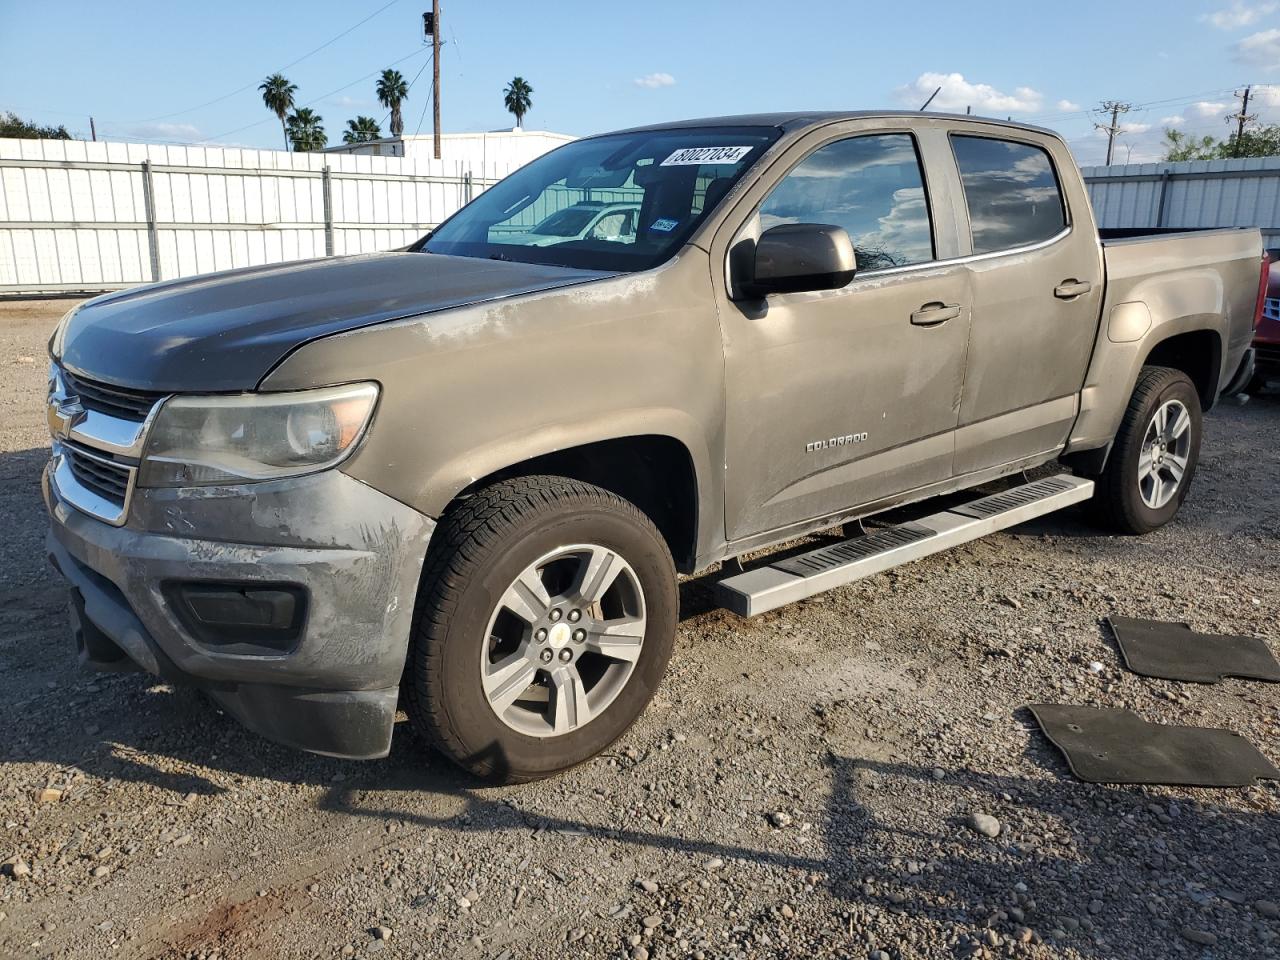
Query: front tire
x,y
545,621
1155,454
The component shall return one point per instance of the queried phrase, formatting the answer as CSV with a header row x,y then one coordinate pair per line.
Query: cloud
x,y
654,80
1067,106
958,93
1239,15
1134,127
1260,49
1265,94
1206,109
1174,121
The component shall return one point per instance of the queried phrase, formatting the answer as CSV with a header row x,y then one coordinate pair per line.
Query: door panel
x,y
842,397
1036,286
837,399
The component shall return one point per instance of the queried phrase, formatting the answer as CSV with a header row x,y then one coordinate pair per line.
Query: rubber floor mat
x,y
1118,746
1173,651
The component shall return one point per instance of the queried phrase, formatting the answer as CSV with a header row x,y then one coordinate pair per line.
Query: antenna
x,y
930,100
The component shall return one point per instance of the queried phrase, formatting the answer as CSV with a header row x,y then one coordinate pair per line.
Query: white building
x,y
511,148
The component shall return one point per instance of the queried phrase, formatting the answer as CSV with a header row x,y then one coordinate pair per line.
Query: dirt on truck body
x,y
463,478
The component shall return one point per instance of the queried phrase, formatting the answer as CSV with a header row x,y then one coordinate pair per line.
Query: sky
x,y
186,72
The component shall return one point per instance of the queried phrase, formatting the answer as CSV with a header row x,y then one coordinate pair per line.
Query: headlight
x,y
254,436
60,332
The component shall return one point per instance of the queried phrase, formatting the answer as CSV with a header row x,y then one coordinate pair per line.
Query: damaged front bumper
x,y
192,586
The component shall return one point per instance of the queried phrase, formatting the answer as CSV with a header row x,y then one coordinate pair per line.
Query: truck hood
x,y
226,331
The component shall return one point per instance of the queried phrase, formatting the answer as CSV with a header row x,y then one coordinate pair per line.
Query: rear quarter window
x,y
1011,191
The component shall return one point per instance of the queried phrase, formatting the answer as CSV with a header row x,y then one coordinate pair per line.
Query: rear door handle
x,y
932,314
1070,289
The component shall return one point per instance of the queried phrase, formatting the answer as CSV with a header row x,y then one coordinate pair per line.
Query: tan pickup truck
x,y
462,477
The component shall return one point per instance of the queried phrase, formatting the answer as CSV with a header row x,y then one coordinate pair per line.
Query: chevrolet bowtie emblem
x,y
64,413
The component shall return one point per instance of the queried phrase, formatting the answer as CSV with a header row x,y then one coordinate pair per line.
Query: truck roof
x,y
800,119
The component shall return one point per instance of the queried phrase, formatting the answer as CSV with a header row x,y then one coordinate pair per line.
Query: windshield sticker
x,y
664,225
694,155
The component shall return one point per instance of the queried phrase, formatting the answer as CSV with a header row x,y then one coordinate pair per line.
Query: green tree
x,y
1255,142
1179,146
361,130
393,91
518,99
305,131
277,94
12,125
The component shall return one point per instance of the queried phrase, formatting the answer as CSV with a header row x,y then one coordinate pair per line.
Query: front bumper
x,y
355,552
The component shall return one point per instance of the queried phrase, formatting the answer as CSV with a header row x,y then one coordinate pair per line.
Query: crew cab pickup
x,y
461,478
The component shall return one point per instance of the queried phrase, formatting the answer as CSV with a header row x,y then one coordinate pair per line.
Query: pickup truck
x,y
462,478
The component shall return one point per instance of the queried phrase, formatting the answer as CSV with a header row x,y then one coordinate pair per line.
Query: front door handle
x,y
932,314
1070,289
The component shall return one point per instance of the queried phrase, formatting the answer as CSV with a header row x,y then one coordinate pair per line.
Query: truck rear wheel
x,y
545,621
1155,454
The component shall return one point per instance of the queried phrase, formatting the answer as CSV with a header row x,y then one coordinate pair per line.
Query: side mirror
x,y
797,257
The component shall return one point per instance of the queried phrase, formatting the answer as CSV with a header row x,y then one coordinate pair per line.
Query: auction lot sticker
x,y
692,155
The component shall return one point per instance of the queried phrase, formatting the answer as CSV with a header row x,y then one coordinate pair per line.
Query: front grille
x,y
108,480
110,399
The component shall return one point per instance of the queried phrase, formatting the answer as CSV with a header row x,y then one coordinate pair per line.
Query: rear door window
x,y
1011,191
872,186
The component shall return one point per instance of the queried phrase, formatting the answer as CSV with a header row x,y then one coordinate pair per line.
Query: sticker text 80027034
x,y
692,155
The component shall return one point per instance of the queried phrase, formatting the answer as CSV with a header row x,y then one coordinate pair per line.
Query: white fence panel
x,y
77,216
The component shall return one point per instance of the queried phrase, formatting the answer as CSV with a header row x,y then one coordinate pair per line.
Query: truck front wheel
x,y
1154,456
545,621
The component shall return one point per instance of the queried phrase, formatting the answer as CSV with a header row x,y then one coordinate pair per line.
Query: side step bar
x,y
786,581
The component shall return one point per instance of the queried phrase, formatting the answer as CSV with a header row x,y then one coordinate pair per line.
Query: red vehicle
x,y
1266,335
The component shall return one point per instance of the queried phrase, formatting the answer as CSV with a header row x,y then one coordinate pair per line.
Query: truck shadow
x,y
1154,860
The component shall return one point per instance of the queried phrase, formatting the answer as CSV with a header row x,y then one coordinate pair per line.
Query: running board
x,y
795,578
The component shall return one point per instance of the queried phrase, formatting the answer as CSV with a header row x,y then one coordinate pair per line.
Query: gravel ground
x,y
807,784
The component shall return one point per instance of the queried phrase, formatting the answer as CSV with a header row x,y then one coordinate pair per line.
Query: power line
x,y
423,116
1115,108
252,84
1086,112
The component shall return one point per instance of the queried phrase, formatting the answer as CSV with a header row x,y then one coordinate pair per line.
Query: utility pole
x,y
93,131
435,73
1115,108
1241,117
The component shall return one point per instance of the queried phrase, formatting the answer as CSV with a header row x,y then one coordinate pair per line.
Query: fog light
x,y
240,617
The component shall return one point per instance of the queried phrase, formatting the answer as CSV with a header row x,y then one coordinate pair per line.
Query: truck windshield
x,y
673,177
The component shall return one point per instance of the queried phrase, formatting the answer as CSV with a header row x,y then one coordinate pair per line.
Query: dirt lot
x,y
801,787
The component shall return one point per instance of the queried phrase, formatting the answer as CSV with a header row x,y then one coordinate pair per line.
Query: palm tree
x,y
361,130
518,99
277,94
305,130
393,91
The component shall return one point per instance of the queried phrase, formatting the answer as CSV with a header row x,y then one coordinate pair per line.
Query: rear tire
x,y
1154,457
513,588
